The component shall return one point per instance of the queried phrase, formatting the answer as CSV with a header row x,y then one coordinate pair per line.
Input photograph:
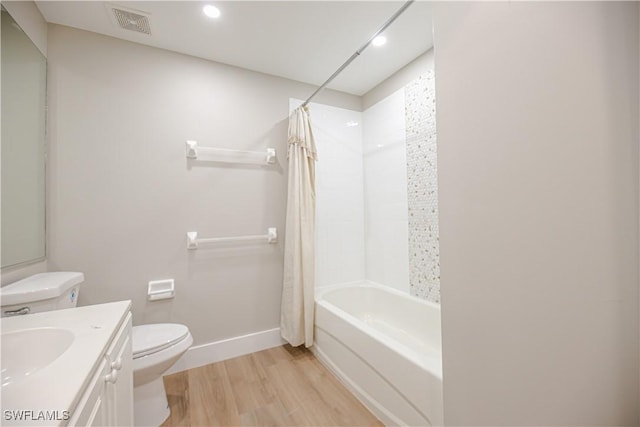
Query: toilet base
x,y
150,405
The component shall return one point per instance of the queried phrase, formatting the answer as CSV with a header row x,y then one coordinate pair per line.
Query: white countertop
x,y
59,386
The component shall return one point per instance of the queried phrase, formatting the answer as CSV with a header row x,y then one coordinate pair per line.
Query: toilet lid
x,y
148,339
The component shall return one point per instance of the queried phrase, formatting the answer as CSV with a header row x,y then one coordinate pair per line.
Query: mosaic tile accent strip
x,y
422,183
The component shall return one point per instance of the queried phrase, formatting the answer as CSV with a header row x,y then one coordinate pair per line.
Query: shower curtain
x,y
296,317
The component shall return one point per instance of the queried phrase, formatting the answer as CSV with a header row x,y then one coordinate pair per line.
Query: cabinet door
x,y
91,410
119,390
98,416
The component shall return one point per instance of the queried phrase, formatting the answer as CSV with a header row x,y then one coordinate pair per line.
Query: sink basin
x,y
26,351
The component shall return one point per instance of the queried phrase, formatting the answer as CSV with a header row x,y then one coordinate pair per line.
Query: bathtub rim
x,y
321,291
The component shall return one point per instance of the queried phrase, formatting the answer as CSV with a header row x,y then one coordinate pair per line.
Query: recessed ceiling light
x,y
352,124
379,41
211,11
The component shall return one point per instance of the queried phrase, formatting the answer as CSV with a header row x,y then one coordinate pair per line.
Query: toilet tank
x,y
41,292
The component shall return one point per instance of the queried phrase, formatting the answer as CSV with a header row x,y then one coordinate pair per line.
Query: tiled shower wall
x,y
422,185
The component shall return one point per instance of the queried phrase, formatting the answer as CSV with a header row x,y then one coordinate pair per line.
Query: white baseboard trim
x,y
217,351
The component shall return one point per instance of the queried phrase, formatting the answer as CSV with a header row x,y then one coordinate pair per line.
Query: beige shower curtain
x,y
296,318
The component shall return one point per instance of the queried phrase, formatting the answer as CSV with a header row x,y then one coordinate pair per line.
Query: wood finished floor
x,y
282,386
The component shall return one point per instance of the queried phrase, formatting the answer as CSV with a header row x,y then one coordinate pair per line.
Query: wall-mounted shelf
x,y
229,156
193,241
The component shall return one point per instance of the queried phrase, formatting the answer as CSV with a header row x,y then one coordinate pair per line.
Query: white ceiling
x,y
300,40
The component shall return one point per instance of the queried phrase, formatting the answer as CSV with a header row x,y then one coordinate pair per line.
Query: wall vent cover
x,y
129,19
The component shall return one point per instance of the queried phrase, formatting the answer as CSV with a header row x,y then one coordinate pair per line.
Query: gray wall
x,y
122,194
538,171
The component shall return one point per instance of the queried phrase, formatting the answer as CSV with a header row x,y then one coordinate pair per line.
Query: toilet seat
x,y
150,339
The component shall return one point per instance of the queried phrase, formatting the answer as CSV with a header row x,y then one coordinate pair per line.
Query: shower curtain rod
x,y
359,51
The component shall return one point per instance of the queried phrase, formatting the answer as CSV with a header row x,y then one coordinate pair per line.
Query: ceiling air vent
x,y
128,19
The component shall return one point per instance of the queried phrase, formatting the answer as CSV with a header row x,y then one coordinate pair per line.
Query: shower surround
x,y
376,189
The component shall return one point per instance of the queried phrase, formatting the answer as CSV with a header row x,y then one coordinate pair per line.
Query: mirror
x,y
23,75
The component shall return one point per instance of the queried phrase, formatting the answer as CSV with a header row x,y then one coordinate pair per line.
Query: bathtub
x,y
385,346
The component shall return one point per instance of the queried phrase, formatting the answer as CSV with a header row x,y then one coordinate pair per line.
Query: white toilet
x,y
155,347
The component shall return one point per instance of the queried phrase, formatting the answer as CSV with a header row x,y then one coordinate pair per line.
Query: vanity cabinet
x,y
108,398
